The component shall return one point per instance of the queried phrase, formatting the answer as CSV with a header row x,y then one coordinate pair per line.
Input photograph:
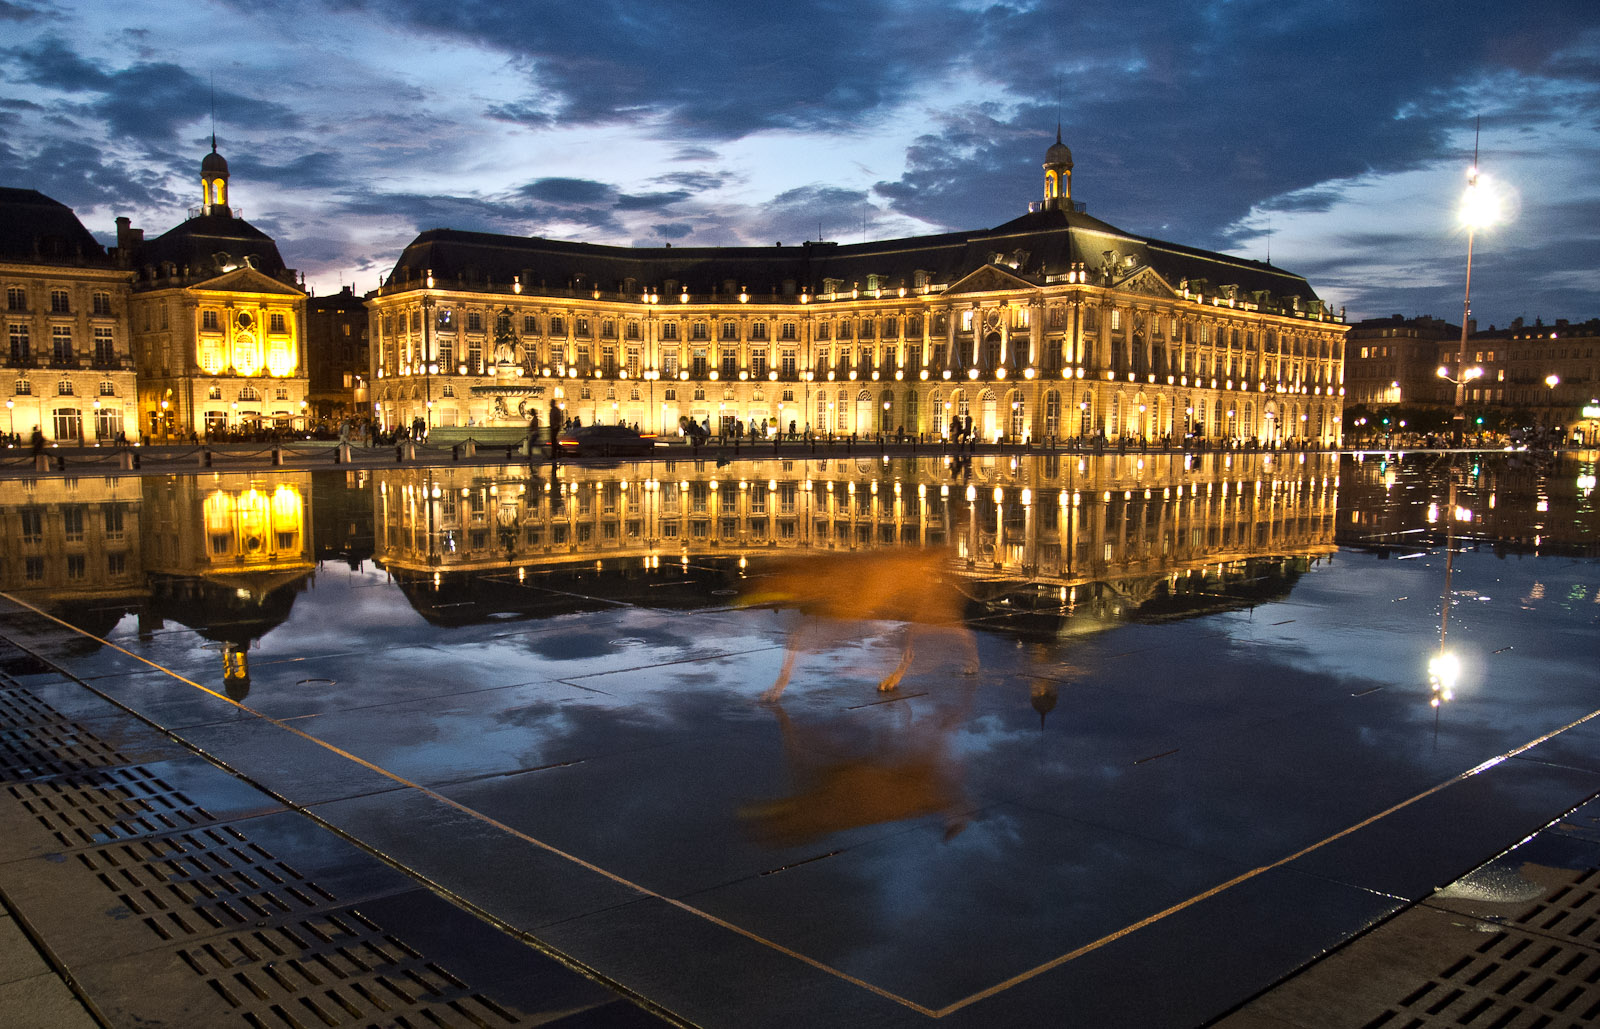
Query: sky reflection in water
x,y
1186,668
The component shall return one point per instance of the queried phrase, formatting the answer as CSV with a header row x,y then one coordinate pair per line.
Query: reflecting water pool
x,y
977,740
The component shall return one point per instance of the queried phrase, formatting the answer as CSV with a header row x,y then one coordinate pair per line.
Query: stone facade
x,y
66,358
217,322
1052,326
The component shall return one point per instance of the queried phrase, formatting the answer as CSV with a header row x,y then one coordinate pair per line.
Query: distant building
x,y
66,362
1395,360
1547,375
1050,326
217,322
337,357
1538,375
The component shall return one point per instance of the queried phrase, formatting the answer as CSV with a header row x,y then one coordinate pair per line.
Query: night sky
x,y
1336,133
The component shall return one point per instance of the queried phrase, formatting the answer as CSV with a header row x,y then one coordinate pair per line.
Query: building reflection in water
x,y
1050,522
1515,502
225,553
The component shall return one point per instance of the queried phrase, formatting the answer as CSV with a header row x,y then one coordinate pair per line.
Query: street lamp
x,y
1479,209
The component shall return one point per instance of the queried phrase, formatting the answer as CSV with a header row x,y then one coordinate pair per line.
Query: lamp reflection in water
x,y
1444,668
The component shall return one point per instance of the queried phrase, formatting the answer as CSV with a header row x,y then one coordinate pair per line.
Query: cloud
x,y
568,191
672,230
650,201
83,176
146,100
20,12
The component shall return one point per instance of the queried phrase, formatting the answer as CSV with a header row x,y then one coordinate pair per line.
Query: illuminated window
x,y
279,323
669,330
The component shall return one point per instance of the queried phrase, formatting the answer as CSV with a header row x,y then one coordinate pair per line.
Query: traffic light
x,y
1480,419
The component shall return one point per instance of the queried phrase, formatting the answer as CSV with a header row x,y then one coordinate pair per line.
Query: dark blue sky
x,y
1338,133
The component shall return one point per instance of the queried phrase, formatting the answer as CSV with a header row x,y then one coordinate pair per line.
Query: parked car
x,y
606,441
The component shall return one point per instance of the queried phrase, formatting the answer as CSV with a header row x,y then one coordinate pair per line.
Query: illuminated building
x,y
1051,326
217,321
1522,375
67,367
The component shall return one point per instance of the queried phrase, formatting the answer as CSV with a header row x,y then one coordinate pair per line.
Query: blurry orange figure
x,y
845,781
831,591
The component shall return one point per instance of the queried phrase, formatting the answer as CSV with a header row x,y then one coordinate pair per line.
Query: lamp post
x,y
1479,209
1551,382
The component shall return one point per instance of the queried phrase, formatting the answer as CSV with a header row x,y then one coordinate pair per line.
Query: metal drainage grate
x,y
248,923
40,747
85,809
202,882
337,969
1571,911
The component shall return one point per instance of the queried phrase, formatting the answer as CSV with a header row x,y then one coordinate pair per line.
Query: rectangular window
x,y
608,328
101,303
730,362
530,325
21,352
824,332
116,564
758,363
474,321
669,330
208,322
105,351
16,298
730,330
558,325
631,330
758,330
59,302
279,323
787,362
72,522
669,364
32,524
61,344
787,331
581,328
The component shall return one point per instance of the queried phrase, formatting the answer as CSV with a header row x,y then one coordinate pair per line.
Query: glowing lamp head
x,y
1480,204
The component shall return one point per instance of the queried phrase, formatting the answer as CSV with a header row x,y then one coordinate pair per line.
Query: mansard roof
x,y
36,229
209,245
1036,248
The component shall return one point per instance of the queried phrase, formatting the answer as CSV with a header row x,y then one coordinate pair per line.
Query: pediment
x,y
989,279
247,280
1146,281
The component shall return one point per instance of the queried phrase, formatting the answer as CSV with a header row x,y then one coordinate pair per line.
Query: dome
x,y
1059,152
213,162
